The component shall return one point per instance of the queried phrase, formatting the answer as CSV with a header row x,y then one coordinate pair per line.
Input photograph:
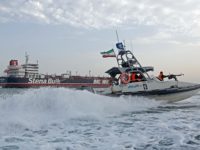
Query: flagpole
x,y
116,58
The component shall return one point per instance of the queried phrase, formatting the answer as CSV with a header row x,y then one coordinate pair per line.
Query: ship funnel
x,y
14,63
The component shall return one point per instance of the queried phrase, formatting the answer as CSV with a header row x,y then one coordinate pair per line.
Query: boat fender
x,y
125,78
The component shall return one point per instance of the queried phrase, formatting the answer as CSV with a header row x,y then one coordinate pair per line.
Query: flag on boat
x,y
109,53
120,46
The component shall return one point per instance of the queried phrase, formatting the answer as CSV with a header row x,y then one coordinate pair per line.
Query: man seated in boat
x,y
170,76
140,77
136,77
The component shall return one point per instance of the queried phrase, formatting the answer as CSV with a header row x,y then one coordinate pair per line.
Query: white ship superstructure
x,y
29,70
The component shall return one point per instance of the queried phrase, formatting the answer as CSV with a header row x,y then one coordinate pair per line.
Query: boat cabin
x,y
128,75
129,69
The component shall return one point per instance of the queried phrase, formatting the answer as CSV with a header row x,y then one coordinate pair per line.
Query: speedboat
x,y
170,89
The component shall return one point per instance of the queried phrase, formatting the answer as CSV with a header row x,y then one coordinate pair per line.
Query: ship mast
x,y
26,64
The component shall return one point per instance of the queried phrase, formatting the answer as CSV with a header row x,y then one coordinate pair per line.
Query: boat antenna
x,y
131,45
124,44
117,36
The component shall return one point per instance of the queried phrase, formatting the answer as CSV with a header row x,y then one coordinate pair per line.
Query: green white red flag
x,y
109,53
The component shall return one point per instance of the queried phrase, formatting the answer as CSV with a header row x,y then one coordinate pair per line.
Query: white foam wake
x,y
58,118
35,107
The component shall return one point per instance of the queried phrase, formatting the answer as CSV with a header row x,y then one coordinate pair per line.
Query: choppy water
x,y
63,119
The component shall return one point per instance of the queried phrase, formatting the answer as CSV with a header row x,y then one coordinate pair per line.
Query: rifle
x,y
174,76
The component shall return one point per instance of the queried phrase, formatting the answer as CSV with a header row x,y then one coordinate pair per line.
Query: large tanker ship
x,y
27,75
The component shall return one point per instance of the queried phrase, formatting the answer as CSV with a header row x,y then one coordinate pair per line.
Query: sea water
x,y
64,119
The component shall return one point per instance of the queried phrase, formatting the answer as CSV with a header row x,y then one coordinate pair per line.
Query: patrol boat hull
x,y
158,90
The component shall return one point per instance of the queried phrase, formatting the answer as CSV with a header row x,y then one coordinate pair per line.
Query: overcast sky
x,y
70,34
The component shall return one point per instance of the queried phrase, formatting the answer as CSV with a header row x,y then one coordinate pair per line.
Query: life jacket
x,y
133,77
